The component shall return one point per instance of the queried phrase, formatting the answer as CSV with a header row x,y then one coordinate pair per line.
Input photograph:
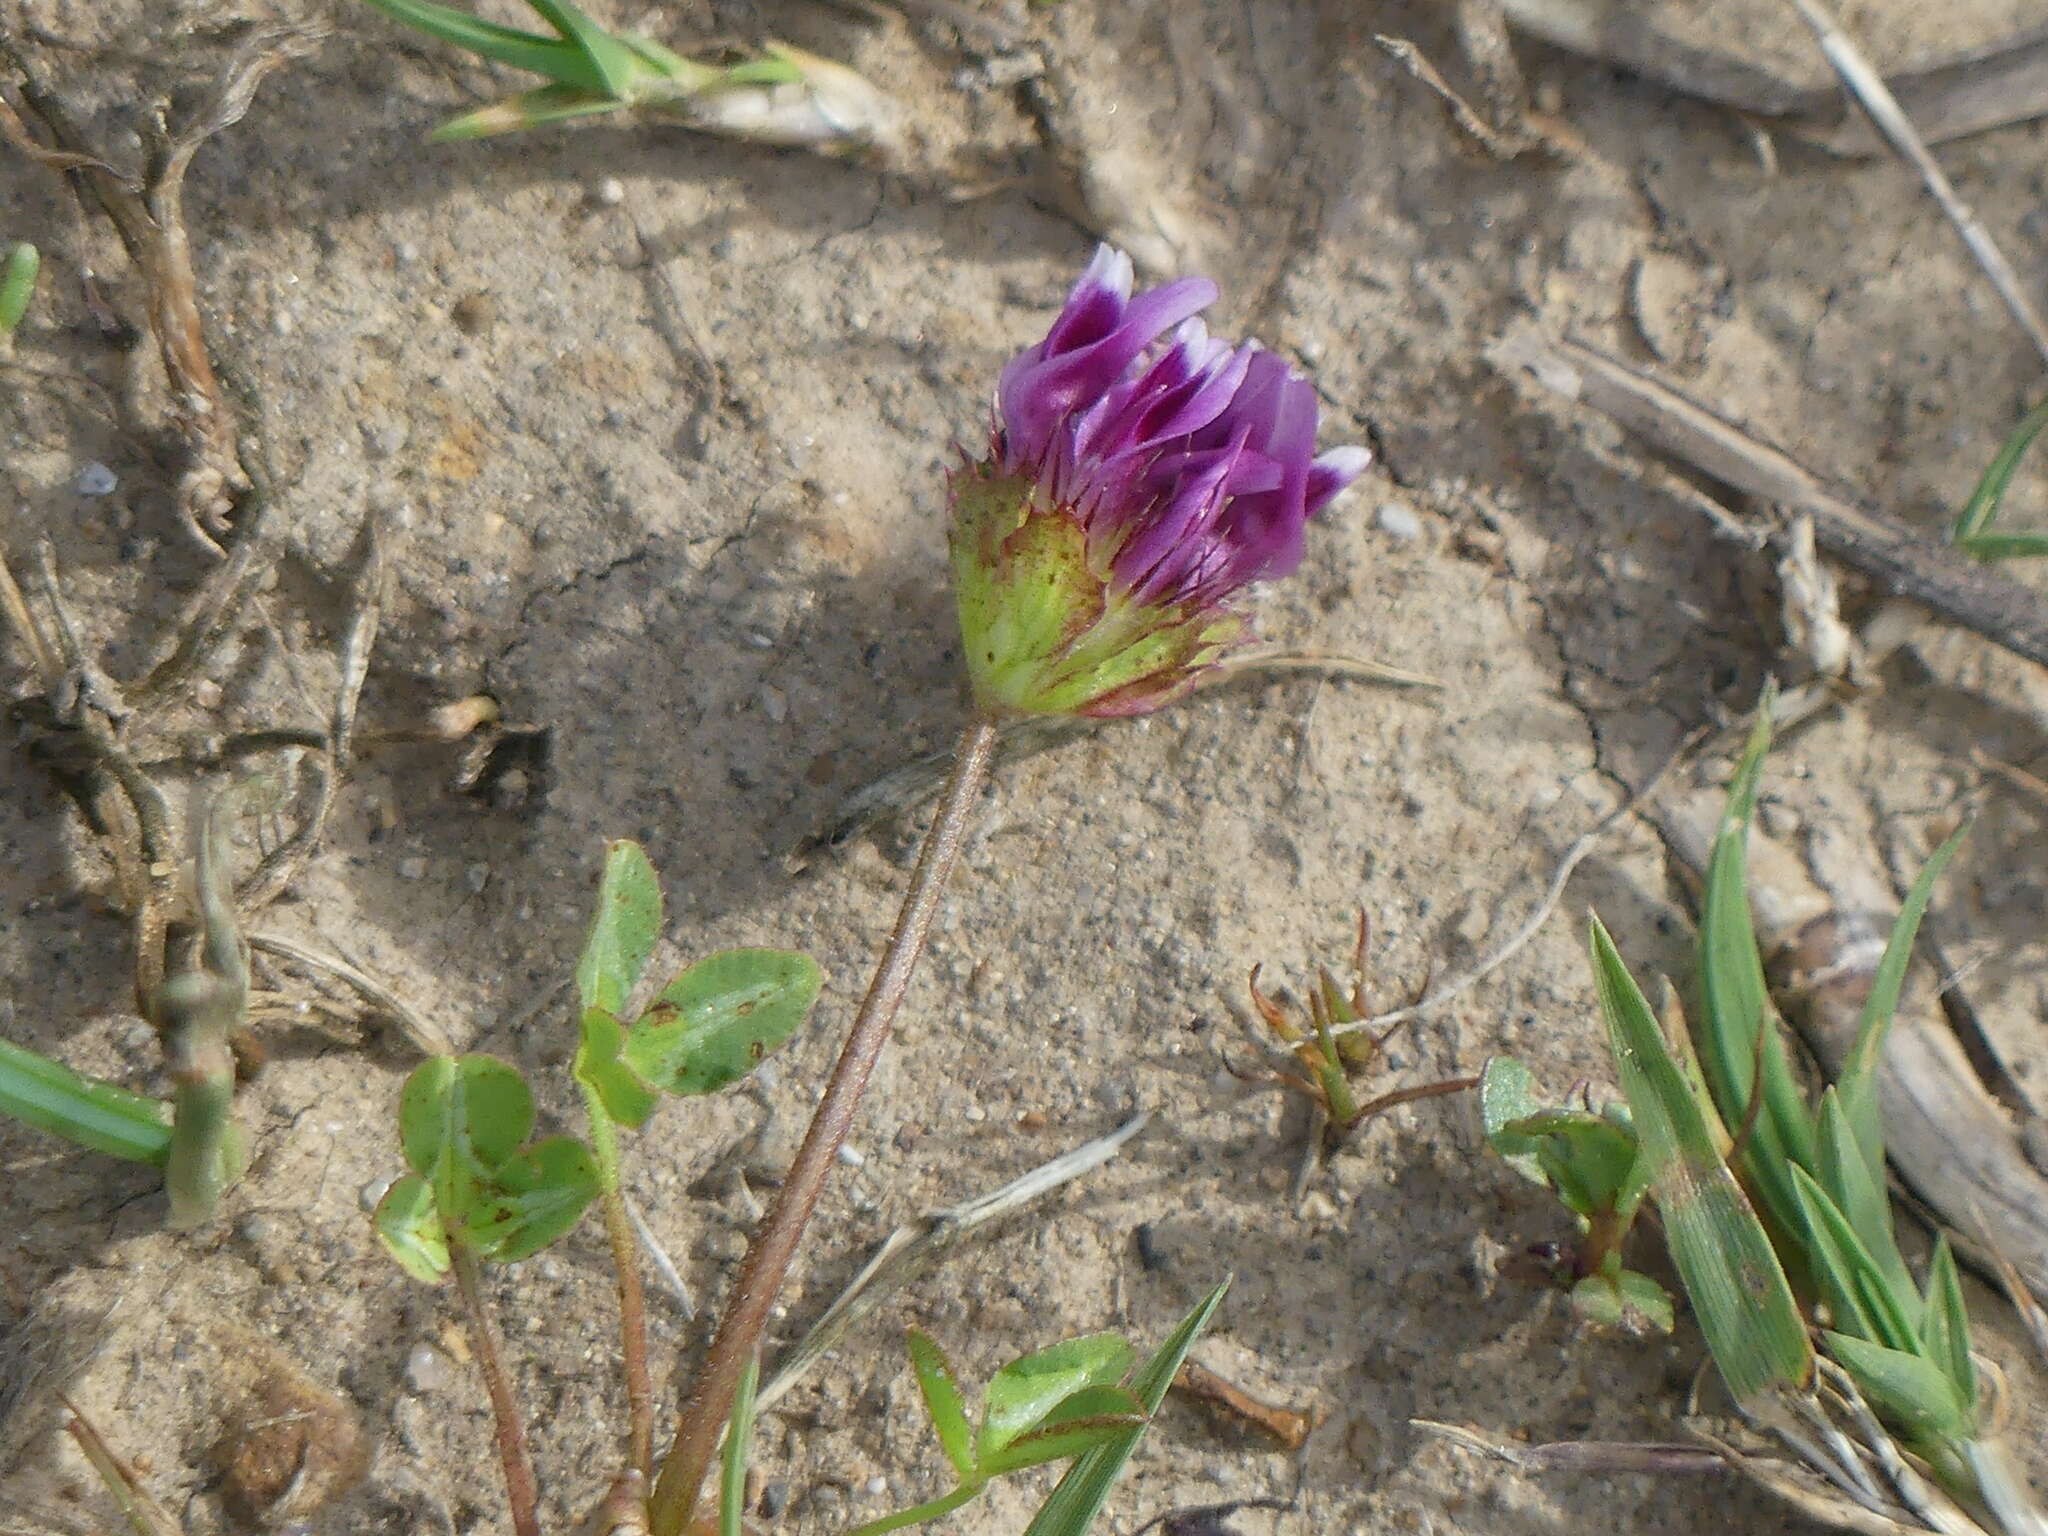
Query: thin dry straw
x,y
1876,99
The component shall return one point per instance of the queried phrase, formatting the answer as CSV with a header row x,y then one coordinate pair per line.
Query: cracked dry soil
x,y
666,475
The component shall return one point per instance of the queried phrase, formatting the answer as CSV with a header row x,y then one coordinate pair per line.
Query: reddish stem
x,y
522,1492
774,1246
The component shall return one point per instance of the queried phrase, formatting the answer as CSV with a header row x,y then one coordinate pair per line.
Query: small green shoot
x,y
17,286
781,96
1079,1495
1591,1159
1069,1401
1971,531
1323,1053
1048,1406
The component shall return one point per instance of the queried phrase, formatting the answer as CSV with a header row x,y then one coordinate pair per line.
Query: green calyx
x,y
1045,631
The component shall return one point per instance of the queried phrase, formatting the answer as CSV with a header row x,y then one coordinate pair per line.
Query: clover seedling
x,y
475,1181
478,1190
1591,1159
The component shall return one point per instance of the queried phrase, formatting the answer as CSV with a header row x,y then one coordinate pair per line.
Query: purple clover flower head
x,y
1142,474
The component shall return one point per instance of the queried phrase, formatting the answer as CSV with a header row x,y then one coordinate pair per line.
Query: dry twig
x,y
1870,91
1892,554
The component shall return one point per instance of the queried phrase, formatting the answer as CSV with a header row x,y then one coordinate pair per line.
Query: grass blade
x,y
548,56
1078,1497
1945,1331
1982,508
1845,1173
1994,547
615,63
1856,1083
1864,1305
1914,1393
732,1468
1738,1291
1735,1007
52,1097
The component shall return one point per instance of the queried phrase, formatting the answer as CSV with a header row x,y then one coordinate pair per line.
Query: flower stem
x,y
521,1491
774,1245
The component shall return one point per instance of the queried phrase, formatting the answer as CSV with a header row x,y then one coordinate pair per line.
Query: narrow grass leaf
x,y
1842,1170
1736,1007
506,45
739,1438
1914,1393
1982,508
624,931
1738,1291
1856,1083
942,1400
615,63
1090,1418
1994,547
1078,1497
918,1514
528,109
1945,1330
83,1110
1855,1287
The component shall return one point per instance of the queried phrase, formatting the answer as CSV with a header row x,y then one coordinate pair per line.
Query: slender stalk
x,y
618,1227
774,1246
522,1492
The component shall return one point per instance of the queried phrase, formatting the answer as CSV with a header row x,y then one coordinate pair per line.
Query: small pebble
x,y
372,1193
95,479
852,1156
611,192
774,1499
412,869
428,1371
875,1487
256,1228
476,877
385,439
1398,522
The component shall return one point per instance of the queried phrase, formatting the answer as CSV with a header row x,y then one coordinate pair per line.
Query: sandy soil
x,y
661,421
